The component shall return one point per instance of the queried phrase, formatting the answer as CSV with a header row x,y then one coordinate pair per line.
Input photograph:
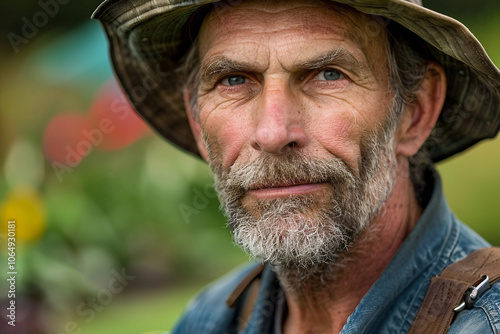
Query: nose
x,y
280,127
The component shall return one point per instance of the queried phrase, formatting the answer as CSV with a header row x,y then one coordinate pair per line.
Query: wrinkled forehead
x,y
221,8
317,15
276,22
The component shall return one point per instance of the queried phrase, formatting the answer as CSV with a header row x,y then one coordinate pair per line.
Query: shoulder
x,y
484,317
207,312
467,242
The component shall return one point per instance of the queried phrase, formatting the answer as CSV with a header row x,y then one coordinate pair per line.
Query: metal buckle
x,y
472,293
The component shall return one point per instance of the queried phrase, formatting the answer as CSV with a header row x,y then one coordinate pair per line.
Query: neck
x,y
323,306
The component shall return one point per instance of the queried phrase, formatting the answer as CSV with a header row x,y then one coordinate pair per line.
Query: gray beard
x,y
305,237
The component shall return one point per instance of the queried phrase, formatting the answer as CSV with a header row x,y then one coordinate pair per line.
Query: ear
x,y
195,126
420,117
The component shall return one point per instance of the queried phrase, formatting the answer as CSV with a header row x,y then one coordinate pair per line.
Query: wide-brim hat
x,y
149,39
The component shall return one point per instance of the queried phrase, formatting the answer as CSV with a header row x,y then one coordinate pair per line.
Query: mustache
x,y
269,171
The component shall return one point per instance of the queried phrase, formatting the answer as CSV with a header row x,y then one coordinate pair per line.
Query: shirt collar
x,y
415,262
432,237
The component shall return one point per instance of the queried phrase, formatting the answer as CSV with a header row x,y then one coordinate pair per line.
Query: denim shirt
x,y
390,305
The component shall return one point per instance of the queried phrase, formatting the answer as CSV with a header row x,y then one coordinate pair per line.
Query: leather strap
x,y
236,294
250,300
447,290
250,282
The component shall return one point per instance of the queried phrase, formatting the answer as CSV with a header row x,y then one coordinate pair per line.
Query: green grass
x,y
139,313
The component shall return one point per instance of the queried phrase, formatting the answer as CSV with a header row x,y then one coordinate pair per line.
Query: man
x,y
321,121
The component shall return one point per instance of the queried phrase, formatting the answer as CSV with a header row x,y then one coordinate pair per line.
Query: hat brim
x,y
148,40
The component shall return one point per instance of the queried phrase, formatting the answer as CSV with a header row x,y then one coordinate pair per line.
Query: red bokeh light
x,y
110,104
64,139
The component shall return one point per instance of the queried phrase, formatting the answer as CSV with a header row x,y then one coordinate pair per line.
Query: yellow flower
x,y
25,207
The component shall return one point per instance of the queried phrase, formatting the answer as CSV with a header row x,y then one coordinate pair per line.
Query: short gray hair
x,y
408,63
190,76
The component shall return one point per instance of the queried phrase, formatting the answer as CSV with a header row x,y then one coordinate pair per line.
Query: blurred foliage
x,y
128,203
146,207
462,10
67,14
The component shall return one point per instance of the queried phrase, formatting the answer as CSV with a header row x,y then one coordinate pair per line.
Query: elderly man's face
x,y
294,106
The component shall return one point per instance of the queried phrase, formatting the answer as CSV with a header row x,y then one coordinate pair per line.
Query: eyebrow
x,y
339,56
222,65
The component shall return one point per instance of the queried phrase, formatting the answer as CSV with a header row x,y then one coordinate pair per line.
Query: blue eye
x,y
329,75
234,80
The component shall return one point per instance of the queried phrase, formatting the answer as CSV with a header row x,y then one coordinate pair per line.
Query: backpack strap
x,y
456,288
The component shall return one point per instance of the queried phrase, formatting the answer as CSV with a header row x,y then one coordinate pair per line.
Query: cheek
x,y
340,126
339,136
229,136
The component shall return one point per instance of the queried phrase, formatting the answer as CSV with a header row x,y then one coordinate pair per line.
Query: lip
x,y
286,190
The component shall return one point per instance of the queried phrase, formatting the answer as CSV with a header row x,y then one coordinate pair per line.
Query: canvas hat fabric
x,y
149,38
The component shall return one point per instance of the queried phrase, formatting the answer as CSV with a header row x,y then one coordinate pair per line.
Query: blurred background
x,y
115,229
